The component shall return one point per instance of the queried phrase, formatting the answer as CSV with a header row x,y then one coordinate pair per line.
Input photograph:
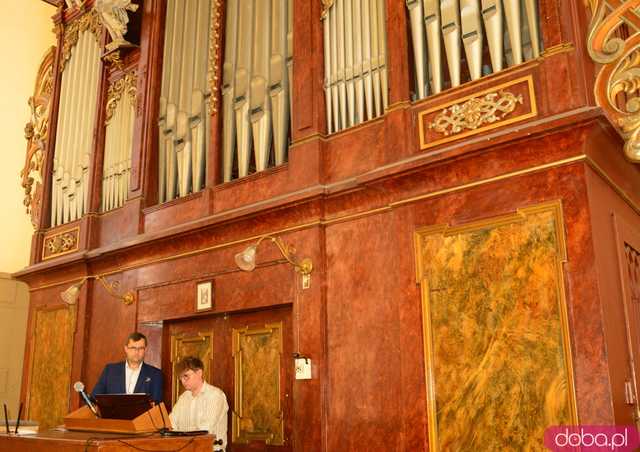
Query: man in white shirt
x,y
201,406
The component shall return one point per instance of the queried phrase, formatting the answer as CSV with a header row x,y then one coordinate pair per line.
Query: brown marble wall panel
x,y
567,184
608,211
256,187
363,335
231,291
110,322
116,225
355,150
604,148
178,211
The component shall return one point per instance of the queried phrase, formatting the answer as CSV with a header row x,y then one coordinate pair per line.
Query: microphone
x,y
79,388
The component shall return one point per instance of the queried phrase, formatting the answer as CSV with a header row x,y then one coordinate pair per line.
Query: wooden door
x,y
628,243
249,357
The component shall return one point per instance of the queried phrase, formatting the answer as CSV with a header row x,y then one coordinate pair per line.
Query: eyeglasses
x,y
187,375
137,349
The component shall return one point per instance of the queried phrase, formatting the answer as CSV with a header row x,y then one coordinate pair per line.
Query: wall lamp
x,y
70,295
246,260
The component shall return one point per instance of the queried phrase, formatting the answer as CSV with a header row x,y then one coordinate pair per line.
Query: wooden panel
x,y
50,367
257,353
496,330
199,345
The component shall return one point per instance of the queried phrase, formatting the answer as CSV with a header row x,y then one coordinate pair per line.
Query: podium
x,y
151,421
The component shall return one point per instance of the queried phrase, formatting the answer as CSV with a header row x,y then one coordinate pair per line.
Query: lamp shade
x,y
246,260
70,295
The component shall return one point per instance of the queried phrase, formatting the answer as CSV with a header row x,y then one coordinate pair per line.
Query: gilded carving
x,y
214,57
257,412
89,21
200,345
36,132
497,352
50,365
326,6
60,243
475,112
617,84
114,59
125,85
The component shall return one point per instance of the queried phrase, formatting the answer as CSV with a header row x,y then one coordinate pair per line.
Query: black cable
x,y
156,450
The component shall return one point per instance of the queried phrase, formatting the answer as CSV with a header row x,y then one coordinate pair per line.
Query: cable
x,y
155,450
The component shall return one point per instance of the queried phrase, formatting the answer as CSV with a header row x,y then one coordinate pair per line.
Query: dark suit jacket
x,y
112,381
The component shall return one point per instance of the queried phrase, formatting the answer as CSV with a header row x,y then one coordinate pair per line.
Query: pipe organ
x,y
509,28
183,118
256,90
355,47
118,141
76,119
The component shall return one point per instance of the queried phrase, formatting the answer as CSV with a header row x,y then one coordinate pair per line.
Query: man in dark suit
x,y
132,375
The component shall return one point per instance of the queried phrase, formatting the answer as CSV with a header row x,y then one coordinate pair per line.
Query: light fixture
x,y
70,295
246,260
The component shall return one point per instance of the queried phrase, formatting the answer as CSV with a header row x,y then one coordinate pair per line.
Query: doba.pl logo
x,y
592,438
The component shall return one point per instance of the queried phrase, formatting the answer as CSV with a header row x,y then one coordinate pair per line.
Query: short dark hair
x,y
135,337
189,363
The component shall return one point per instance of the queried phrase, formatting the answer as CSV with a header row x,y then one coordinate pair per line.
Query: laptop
x,y
123,406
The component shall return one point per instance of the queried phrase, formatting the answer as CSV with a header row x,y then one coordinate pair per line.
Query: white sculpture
x,y
113,14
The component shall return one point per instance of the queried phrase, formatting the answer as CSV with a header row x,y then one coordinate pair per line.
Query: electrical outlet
x,y
303,368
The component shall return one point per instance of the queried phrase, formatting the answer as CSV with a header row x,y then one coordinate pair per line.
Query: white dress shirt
x,y
131,377
206,411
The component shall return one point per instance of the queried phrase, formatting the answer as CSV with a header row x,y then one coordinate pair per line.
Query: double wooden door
x,y
249,357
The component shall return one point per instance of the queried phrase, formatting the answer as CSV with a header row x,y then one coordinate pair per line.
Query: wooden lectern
x,y
153,420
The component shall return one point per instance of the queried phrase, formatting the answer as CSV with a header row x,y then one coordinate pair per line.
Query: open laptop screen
x,y
123,406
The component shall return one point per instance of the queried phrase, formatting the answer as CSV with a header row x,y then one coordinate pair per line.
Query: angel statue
x,y
113,14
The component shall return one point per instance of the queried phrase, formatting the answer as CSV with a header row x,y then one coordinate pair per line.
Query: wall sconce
x,y
246,260
70,295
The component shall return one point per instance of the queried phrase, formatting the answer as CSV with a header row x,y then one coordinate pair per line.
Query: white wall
x,y
25,36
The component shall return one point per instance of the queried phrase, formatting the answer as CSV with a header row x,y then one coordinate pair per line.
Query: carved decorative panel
x,y
257,415
497,106
497,354
614,43
50,365
199,345
36,131
60,243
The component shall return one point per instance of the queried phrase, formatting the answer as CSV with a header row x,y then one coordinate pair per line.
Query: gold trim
x,y
61,234
576,159
532,99
630,202
559,48
126,84
214,57
326,6
245,437
555,207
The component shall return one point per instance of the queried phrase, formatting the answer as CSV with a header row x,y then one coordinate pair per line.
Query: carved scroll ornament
x,y
88,21
475,112
618,82
36,132
126,84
